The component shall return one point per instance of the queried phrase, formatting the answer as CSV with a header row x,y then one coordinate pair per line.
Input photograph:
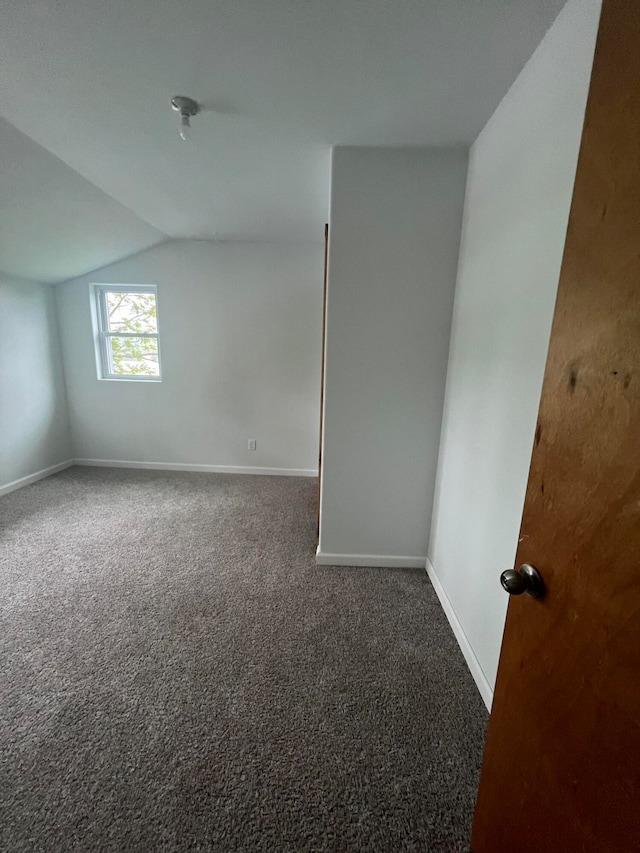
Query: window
x,y
127,331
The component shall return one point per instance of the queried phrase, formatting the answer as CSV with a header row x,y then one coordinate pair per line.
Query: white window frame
x,y
102,333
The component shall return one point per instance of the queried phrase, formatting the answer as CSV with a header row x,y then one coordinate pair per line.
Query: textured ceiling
x,y
280,82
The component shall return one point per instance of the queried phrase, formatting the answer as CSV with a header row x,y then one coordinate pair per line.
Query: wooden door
x,y
324,331
561,770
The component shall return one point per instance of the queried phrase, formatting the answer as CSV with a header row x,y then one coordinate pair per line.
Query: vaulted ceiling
x,y
91,168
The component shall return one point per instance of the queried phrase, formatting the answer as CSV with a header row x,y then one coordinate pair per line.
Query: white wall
x,y
34,427
393,247
240,329
521,174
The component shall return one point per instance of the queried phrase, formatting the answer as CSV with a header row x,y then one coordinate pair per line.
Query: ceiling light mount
x,y
187,108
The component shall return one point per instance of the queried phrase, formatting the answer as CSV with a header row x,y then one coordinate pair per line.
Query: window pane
x,y
133,356
131,312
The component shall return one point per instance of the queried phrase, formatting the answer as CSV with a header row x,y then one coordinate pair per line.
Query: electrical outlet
x,y
252,444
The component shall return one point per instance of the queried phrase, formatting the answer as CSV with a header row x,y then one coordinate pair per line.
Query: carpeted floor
x,y
178,675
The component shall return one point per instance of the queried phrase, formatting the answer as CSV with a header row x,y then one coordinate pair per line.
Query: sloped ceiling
x,y
280,82
54,223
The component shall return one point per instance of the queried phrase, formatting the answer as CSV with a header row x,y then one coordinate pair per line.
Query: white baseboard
x,y
33,478
187,466
486,691
370,560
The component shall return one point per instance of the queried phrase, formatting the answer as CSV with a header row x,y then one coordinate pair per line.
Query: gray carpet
x,y
178,675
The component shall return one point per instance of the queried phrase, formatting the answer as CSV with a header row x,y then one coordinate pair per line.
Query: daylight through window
x,y
127,319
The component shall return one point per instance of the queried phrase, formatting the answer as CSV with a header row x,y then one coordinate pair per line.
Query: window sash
x,y
129,334
104,334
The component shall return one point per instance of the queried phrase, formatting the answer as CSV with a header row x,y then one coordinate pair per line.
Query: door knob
x,y
526,579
